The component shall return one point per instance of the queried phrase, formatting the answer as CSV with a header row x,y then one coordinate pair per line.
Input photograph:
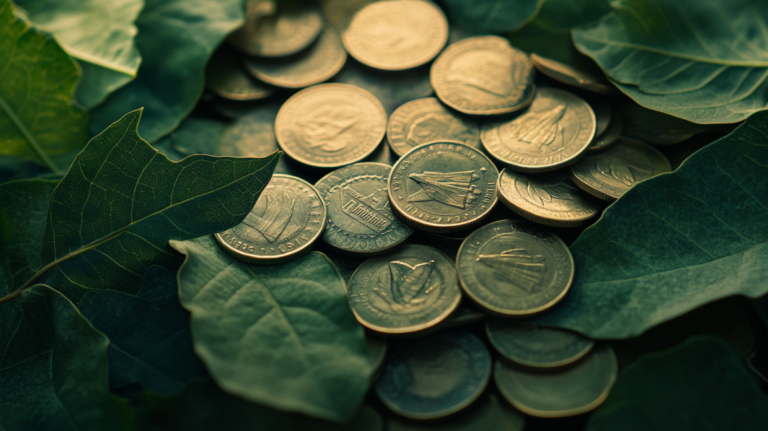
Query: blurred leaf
x,y
492,16
655,127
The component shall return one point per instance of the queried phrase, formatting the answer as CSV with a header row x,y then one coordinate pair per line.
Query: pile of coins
x,y
550,155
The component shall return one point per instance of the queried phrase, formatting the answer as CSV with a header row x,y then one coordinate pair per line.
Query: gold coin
x,y
603,112
292,28
396,35
572,76
225,76
559,392
536,346
483,76
552,133
330,125
609,174
548,198
609,137
514,268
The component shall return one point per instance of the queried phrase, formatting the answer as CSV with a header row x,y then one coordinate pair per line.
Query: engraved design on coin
x,y
406,286
421,121
371,211
451,188
623,169
331,128
540,129
518,267
559,195
277,214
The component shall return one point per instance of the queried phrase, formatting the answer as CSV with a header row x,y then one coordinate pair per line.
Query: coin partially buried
x,y
609,137
434,376
360,220
552,133
410,290
559,392
514,268
443,187
287,219
536,346
483,76
225,76
609,174
330,125
294,27
572,76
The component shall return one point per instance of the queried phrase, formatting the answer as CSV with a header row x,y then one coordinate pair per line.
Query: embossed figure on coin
x,y
331,128
451,188
518,267
425,120
276,216
406,286
536,346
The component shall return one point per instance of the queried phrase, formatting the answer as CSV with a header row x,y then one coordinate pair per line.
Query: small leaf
x,y
492,16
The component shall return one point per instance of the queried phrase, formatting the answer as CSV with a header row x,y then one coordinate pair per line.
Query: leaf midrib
x,y
28,136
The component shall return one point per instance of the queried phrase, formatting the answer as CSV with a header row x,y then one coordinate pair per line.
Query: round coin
x,y
287,219
443,187
552,133
360,219
609,137
609,174
426,120
548,198
377,352
330,125
572,76
537,346
603,113
489,412
514,268
410,290
396,35
483,76
294,27
228,79
434,376
559,392
319,63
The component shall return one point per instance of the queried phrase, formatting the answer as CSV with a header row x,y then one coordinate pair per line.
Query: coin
x,y
396,35
410,290
572,76
294,27
226,77
377,352
464,315
330,125
609,137
536,346
552,133
483,76
514,268
549,198
425,120
559,392
360,219
603,113
317,64
434,376
443,187
609,174
287,219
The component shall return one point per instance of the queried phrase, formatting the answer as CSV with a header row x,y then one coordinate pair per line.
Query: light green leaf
x,y
281,335
491,16
675,242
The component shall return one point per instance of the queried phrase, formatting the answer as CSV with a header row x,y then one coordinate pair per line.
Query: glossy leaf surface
x,y
492,16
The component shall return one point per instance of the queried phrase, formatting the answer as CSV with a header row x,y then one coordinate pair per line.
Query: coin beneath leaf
x,y
421,121
287,219
294,27
609,137
434,376
410,290
226,77
573,76
396,35
360,219
514,268
609,174
536,346
443,187
330,125
549,198
483,76
552,133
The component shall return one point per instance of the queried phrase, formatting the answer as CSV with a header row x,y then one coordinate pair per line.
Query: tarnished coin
x,y
559,392
294,26
426,120
572,76
330,125
434,376
410,290
360,219
287,219
514,268
603,113
609,174
319,63
537,346
464,315
483,76
396,35
609,137
489,413
226,77
549,198
552,133
443,187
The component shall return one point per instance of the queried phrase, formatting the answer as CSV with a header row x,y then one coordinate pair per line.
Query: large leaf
x,y
492,16
700,385
53,368
99,33
38,119
675,241
282,335
176,38
704,61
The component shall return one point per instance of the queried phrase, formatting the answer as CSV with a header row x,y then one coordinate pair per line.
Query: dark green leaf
x,y
655,127
491,16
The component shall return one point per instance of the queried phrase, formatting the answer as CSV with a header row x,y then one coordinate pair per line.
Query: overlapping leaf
x,y
492,16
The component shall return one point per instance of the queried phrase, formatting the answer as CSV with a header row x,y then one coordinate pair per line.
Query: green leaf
x,y
53,370
700,384
675,242
176,38
655,127
149,337
99,33
281,335
38,119
705,62
491,16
